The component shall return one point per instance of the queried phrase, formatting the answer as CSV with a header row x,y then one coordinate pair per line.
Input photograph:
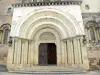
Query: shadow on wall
x,y
3,54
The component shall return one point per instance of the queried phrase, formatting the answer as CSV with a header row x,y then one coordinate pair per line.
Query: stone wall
x,y
94,57
3,54
93,46
6,11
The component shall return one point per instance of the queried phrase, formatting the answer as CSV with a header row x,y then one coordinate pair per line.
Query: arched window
x,y
4,33
93,31
6,36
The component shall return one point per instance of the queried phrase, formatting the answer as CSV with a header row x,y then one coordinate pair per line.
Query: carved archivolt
x,y
62,22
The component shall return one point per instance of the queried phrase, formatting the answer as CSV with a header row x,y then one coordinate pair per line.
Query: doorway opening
x,y
47,54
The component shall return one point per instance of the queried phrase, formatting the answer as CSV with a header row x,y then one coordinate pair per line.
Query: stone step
x,y
50,72
3,68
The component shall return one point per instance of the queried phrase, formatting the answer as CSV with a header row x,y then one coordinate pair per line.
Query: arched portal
x,y
47,54
45,28
47,35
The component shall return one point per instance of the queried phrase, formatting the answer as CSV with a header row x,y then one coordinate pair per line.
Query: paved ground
x,y
88,73
4,72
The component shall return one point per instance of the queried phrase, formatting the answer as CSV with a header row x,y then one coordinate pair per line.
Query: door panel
x,y
52,59
43,54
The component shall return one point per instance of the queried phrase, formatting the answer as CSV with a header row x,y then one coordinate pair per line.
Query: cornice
x,y
86,15
67,2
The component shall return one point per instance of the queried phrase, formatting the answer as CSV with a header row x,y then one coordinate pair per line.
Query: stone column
x,y
69,52
31,51
79,50
97,31
96,36
28,55
87,33
23,45
0,36
18,52
63,52
72,52
84,55
11,53
35,53
66,53
76,51
25,52
59,53
16,48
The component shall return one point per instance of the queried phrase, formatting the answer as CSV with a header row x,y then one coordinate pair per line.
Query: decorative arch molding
x,y
90,19
67,21
4,26
47,36
47,30
54,28
87,25
42,29
48,20
60,28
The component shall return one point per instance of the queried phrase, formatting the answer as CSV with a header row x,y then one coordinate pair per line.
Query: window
x,y
93,32
6,36
87,7
9,10
4,33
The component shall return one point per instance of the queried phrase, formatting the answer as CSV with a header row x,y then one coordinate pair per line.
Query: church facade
x,y
52,35
47,34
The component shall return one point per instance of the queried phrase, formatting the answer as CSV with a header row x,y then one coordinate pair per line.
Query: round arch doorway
x,y
47,54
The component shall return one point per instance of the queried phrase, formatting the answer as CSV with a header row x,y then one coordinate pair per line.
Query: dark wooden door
x,y
43,54
52,58
47,54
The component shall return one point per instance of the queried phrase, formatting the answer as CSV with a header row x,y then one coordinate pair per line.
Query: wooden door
x,y
52,56
47,54
43,54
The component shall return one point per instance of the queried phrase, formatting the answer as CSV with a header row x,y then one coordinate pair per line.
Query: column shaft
x,y
18,51
63,53
66,54
79,51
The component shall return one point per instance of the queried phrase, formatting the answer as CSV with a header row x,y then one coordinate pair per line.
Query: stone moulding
x,y
91,17
71,26
47,3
